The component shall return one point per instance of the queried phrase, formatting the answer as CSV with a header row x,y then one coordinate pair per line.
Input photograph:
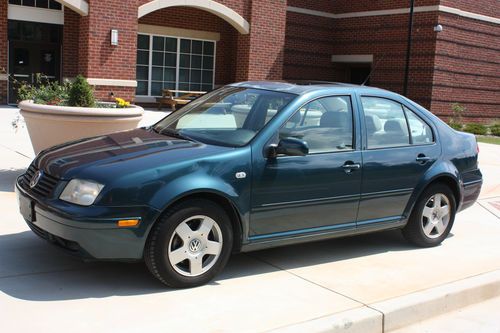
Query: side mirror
x,y
289,147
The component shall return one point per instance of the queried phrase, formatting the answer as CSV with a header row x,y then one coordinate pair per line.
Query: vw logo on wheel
x,y
195,245
36,178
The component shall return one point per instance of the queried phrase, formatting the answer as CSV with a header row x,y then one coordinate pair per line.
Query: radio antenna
x,y
373,70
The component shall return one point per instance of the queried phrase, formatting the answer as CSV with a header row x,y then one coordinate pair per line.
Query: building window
x,y
174,63
47,4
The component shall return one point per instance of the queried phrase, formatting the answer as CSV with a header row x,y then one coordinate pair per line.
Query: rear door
x,y
399,147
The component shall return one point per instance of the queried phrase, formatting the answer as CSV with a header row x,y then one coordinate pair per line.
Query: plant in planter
x,y
455,120
56,113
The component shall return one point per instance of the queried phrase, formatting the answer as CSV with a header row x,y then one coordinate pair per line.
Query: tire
x,y
429,225
181,253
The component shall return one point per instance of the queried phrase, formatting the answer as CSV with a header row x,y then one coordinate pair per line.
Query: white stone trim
x,y
226,13
112,82
34,14
474,16
310,12
178,32
397,11
353,58
4,77
79,6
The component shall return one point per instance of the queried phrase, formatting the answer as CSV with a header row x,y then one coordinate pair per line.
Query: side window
x,y
421,133
385,123
326,124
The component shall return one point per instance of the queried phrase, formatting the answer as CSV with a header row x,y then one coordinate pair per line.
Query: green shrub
x,y
81,93
477,129
455,121
43,91
455,126
495,130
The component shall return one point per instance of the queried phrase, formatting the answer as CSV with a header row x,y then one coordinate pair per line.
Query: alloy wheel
x,y
436,215
195,246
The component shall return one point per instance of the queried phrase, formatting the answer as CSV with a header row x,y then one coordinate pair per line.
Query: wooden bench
x,y
169,98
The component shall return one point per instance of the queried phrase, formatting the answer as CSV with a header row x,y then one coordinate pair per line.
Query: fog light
x,y
128,223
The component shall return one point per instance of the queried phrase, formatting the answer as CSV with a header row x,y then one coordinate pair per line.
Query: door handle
x,y
422,159
350,167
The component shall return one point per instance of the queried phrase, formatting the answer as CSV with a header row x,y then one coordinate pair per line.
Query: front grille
x,y
45,185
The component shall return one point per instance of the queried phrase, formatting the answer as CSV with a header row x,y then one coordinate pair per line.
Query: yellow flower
x,y
121,103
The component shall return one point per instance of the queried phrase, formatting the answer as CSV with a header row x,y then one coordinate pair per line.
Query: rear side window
x,y
391,124
326,124
385,123
421,133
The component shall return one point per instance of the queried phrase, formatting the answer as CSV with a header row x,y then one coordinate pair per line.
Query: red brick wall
x,y
312,40
324,6
3,50
195,19
348,6
308,47
483,7
71,41
260,53
467,68
97,58
386,38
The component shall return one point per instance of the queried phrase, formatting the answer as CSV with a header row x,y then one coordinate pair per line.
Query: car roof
x,y
303,87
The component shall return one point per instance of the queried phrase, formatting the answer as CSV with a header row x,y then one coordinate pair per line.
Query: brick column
x,y
260,53
112,68
3,51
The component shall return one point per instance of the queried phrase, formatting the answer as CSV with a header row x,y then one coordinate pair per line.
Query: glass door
x,y
34,48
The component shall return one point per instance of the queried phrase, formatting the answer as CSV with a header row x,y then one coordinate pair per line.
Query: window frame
x,y
403,105
354,123
177,64
61,7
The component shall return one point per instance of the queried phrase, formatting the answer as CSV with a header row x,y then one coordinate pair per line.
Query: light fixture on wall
x,y
114,37
438,28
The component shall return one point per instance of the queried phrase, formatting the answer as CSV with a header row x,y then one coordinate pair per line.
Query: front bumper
x,y
88,236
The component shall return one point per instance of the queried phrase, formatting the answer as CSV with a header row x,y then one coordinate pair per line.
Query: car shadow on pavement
x,y
8,178
31,269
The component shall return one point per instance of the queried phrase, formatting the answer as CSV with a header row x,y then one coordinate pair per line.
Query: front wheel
x,y
432,217
190,244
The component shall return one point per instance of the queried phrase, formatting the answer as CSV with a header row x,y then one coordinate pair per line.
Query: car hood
x,y
119,153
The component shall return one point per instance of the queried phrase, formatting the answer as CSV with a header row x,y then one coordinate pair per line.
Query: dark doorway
x,y
34,48
359,73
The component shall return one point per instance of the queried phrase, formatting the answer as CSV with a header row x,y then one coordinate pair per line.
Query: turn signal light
x,y
128,223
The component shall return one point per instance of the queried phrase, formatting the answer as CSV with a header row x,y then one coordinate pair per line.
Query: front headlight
x,y
81,192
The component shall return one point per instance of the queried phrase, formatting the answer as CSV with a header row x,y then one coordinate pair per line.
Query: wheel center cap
x,y
195,245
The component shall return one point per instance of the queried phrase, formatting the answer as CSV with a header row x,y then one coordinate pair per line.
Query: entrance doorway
x,y
34,48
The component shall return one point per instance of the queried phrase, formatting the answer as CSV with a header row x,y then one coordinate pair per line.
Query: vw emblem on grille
x,y
36,178
195,245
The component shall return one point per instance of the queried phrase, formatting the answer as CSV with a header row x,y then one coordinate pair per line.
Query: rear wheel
x,y
190,244
432,217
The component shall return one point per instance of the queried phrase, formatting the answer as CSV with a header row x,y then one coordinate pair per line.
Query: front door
x,y
34,49
400,148
318,192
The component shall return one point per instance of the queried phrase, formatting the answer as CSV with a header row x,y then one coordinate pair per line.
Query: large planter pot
x,y
49,125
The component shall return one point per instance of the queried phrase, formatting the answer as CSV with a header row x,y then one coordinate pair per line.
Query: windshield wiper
x,y
173,132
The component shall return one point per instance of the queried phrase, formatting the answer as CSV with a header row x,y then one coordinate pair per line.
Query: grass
x,y
488,139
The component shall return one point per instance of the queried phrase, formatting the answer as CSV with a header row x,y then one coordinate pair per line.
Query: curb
x,y
395,313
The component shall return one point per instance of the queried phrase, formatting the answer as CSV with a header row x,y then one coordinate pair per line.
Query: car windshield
x,y
229,116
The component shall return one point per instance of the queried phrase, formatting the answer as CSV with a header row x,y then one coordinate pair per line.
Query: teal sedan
x,y
250,166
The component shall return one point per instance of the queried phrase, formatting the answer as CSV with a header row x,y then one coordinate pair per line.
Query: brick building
x,y
201,44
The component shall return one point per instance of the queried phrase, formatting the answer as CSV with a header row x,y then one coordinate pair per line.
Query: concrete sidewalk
x,y
356,284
